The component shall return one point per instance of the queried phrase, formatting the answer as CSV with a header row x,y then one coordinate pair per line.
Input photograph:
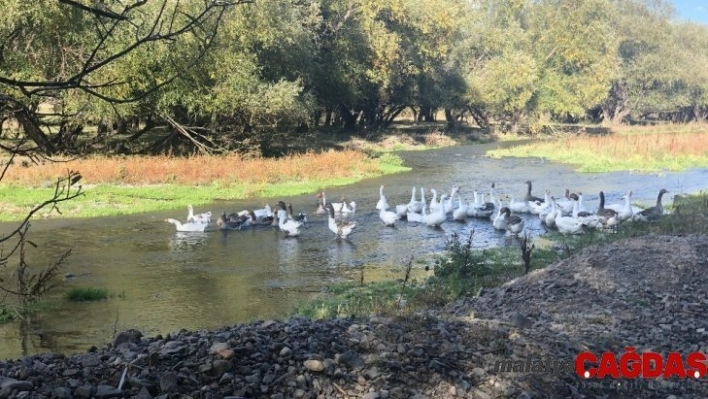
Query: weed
x,y
86,294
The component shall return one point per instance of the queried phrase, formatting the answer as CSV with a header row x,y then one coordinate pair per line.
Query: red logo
x,y
633,365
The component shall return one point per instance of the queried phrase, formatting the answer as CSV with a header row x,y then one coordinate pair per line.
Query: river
x,y
164,281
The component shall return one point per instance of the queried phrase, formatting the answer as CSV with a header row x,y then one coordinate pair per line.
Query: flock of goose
x,y
568,214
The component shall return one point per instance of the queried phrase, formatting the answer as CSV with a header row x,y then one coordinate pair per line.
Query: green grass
x,y
111,200
86,294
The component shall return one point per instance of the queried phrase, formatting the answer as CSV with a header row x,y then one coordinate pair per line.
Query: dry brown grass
x,y
661,128
198,170
645,152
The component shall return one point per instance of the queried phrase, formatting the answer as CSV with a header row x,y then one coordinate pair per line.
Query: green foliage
x,y
274,65
86,294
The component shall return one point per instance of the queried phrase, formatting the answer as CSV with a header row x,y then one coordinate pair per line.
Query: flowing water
x,y
164,281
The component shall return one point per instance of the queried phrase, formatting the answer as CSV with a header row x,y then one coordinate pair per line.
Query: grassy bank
x,y
123,185
645,152
461,270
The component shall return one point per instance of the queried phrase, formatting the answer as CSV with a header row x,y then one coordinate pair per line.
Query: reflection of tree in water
x,y
182,242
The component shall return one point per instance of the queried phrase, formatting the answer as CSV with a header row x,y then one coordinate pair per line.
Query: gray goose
x,y
607,217
530,197
654,212
514,224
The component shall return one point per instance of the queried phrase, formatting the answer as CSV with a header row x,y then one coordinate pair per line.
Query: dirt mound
x,y
648,293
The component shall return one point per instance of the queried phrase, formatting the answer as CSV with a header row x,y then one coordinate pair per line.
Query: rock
x,y
84,391
350,359
371,395
128,336
168,382
13,384
286,352
62,393
314,365
219,367
107,391
217,347
144,394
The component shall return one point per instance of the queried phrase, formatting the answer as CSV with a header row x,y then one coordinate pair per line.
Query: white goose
x,y
414,217
581,204
200,218
290,227
536,207
189,227
460,214
499,222
569,225
587,218
389,218
339,207
416,206
550,219
436,218
450,203
625,210
434,201
382,204
519,206
342,228
566,204
546,208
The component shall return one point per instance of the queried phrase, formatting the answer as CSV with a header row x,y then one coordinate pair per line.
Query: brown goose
x,y
655,211
607,217
529,196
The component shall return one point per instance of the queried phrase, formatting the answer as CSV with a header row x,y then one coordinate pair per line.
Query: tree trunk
x,y
479,117
348,117
328,117
31,127
449,118
619,115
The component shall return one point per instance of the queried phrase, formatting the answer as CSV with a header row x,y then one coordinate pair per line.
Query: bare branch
x,y
95,11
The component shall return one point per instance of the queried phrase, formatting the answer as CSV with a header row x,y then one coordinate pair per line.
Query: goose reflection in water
x,y
289,254
341,253
182,242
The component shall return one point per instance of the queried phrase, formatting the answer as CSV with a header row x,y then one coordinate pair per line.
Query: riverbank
x,y
123,185
454,351
632,151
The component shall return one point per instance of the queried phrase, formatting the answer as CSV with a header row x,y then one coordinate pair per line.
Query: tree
x,y
107,54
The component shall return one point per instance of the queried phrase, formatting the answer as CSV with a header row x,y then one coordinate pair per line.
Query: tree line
x,y
217,72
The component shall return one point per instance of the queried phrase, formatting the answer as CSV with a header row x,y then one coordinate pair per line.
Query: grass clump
x,y
86,294
649,152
